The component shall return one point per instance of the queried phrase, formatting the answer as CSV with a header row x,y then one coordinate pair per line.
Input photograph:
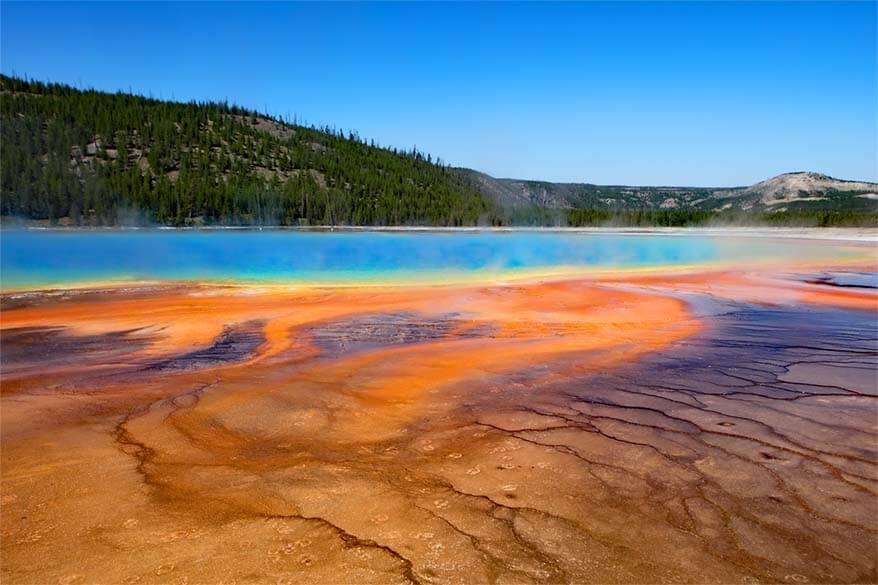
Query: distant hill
x,y
88,158
800,191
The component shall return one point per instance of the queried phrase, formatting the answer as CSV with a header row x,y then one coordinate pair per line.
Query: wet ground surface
x,y
31,346
850,279
235,343
359,334
574,432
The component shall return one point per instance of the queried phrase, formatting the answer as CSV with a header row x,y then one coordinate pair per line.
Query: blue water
x,y
56,258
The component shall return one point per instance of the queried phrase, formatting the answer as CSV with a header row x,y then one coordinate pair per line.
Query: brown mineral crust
x,y
570,431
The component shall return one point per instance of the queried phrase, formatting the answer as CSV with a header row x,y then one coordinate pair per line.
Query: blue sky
x,y
653,93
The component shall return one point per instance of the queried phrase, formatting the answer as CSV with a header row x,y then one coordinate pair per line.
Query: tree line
x,y
86,157
89,158
709,218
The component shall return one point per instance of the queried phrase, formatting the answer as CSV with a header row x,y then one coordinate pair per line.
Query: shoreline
x,y
431,279
864,234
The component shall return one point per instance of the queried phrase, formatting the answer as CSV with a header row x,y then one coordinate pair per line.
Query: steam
x,y
357,257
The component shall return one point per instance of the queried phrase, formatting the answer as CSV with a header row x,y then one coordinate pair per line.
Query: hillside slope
x,y
74,157
87,157
801,191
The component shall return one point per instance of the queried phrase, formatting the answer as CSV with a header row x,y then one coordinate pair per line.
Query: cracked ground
x,y
716,427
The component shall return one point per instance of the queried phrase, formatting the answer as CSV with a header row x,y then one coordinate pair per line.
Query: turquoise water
x,y
30,259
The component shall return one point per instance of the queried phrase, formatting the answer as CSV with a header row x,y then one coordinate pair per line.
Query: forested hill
x,y
79,157
88,158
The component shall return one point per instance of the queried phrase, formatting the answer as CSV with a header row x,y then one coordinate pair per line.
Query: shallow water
x,y
32,259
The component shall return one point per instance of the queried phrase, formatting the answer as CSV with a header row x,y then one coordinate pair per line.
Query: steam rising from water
x,y
40,259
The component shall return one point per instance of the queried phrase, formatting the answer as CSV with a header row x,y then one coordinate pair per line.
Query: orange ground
x,y
337,452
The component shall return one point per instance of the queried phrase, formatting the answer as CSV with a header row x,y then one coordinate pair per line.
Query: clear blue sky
x,y
654,93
